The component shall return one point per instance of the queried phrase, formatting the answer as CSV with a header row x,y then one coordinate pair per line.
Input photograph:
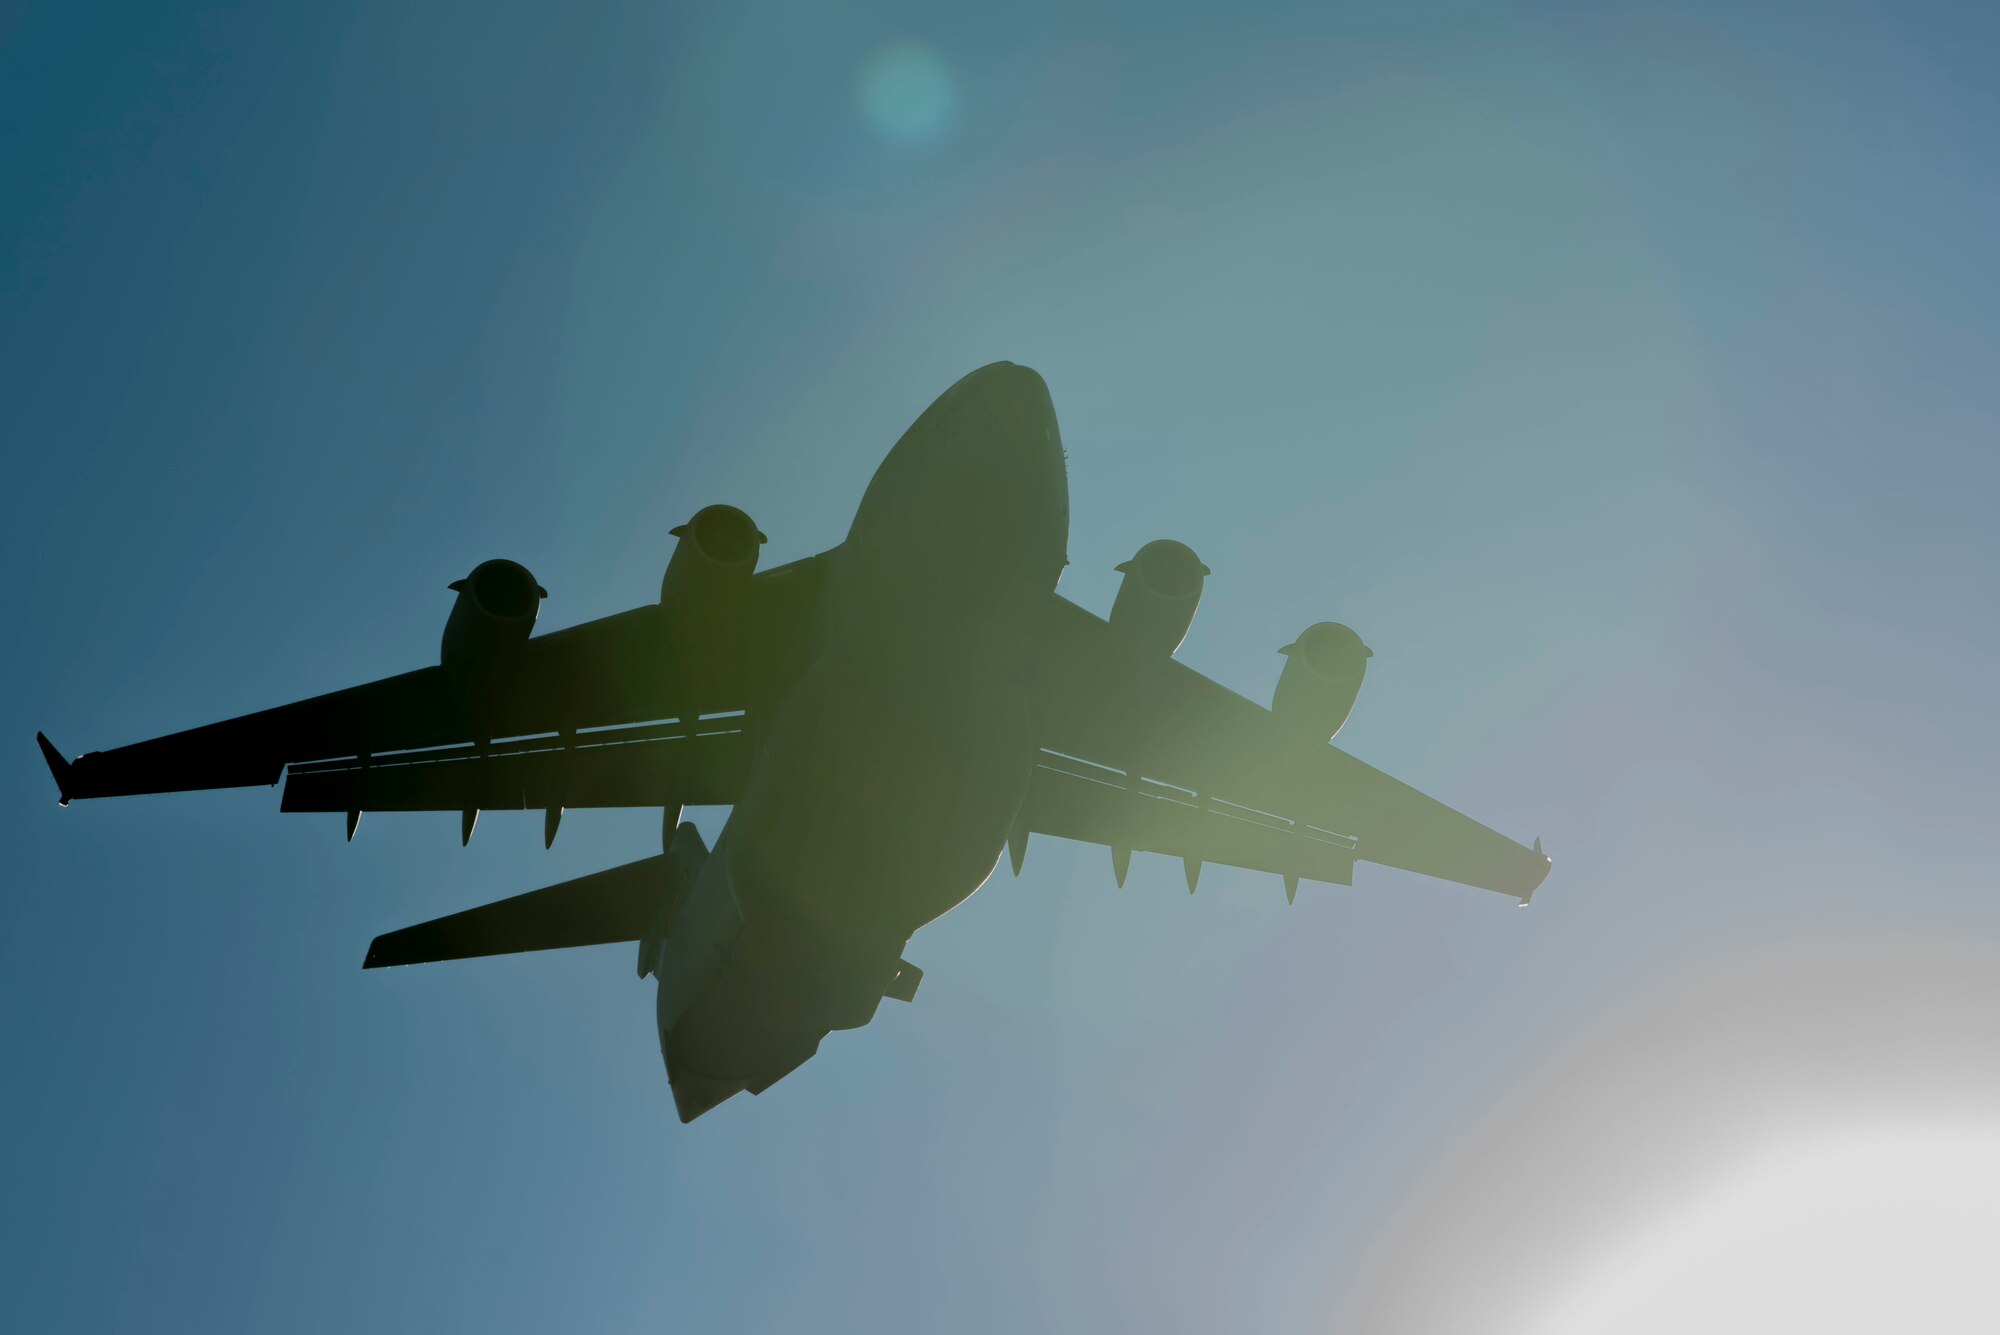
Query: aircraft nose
x,y
1007,423
1007,407
980,473
997,378
995,458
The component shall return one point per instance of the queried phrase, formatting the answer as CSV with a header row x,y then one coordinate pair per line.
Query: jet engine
x,y
711,565
1156,602
490,622
1323,671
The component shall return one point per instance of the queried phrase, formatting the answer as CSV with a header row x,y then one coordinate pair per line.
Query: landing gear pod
x,y
490,623
1162,588
1323,672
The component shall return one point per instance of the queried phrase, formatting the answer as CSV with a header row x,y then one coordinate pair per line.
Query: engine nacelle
x,y
490,623
1323,671
1157,600
711,565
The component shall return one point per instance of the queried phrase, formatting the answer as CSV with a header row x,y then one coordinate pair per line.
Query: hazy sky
x,y
1625,374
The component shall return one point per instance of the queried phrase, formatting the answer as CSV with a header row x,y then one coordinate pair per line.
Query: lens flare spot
x,y
908,93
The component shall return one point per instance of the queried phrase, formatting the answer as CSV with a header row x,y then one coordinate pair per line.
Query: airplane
x,y
884,719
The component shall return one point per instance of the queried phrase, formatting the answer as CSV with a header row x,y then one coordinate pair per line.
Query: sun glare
x,y
1885,1229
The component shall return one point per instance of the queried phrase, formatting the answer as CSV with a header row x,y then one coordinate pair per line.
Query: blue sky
x,y
1622,372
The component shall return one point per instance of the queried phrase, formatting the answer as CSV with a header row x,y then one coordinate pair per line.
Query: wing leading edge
x,y
1155,726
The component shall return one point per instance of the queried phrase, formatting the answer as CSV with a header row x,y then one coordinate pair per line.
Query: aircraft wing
x,y
415,742
1140,751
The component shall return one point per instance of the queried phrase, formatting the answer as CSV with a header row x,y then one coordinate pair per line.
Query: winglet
x,y
1542,874
58,767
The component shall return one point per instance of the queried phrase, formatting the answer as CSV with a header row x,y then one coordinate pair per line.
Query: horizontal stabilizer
x,y
606,906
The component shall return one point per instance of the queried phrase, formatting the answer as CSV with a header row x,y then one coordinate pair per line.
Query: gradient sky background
x,y
1624,373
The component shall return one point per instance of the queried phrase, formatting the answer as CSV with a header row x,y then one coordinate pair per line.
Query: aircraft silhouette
x,y
883,718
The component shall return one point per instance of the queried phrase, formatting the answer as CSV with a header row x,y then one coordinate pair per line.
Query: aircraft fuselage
x,y
886,783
